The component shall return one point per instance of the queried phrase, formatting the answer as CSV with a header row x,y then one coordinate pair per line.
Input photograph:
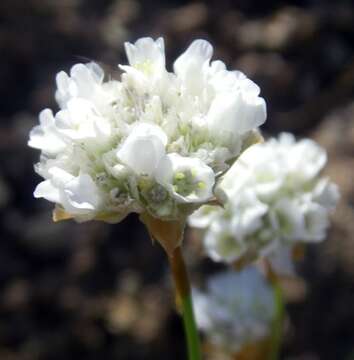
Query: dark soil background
x,y
96,291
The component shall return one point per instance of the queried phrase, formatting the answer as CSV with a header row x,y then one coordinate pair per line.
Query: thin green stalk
x,y
190,329
184,298
277,331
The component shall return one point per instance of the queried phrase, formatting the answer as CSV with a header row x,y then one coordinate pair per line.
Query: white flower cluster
x,y
237,309
275,197
154,141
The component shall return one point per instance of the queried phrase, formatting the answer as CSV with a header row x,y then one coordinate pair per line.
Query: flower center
x,y
186,182
145,66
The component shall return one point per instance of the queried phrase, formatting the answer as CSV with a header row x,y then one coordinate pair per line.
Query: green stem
x,y
190,329
278,321
184,298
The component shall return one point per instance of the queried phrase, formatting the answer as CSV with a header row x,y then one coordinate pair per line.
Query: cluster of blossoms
x,y
275,198
237,310
154,141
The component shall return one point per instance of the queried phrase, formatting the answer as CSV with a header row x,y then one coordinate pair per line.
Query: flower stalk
x,y
184,298
276,339
169,234
278,322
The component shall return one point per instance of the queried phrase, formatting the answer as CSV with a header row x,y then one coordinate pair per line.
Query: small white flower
x,y
155,141
236,310
221,244
188,179
146,54
78,195
45,136
84,82
81,120
274,198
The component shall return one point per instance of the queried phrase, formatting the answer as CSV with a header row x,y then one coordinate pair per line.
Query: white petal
x,y
48,191
66,88
246,85
164,171
197,54
59,177
84,81
143,148
77,195
249,212
290,219
63,82
45,136
192,67
81,195
217,66
316,220
285,139
80,120
234,180
83,75
146,50
315,155
97,72
254,113
326,194
235,113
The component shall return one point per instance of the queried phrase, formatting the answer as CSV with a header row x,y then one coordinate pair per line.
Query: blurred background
x,y
96,291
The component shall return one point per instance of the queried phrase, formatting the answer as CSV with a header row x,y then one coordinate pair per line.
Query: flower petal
x,y
236,113
45,136
197,54
143,148
81,194
48,191
145,52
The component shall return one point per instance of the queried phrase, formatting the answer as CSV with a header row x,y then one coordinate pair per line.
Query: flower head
x,y
274,198
153,141
236,310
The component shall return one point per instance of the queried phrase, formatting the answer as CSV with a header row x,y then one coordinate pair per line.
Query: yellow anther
x,y
144,66
180,176
201,185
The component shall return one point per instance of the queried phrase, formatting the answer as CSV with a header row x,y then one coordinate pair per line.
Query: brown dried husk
x,y
169,233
